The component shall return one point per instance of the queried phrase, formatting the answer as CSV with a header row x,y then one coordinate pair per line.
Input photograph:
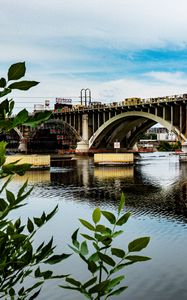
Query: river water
x,y
156,193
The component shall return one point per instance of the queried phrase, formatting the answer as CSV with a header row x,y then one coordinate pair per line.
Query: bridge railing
x,y
126,102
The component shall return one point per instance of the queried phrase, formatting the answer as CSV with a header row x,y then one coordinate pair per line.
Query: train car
x,y
63,103
132,101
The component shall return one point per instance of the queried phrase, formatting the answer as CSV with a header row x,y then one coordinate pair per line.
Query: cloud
x,y
118,48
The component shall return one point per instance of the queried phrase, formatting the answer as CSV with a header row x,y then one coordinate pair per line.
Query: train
x,y
66,104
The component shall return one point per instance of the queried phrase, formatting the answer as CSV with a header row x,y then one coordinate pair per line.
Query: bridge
x,y
98,125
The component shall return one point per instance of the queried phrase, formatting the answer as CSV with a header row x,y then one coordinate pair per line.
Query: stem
x,y
100,276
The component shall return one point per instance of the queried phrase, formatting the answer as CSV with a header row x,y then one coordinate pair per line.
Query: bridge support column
x,y
83,146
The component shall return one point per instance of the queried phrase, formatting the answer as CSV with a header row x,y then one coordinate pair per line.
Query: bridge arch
x,y
126,124
71,128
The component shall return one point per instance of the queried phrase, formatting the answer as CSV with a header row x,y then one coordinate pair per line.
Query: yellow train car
x,y
132,101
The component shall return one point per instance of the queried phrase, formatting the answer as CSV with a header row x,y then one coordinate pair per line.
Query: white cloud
x,y
116,23
108,91
58,39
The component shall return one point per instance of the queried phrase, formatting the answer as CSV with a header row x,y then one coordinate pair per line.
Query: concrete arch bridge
x,y
100,126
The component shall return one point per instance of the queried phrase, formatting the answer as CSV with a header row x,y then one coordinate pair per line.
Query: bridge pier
x,y
83,146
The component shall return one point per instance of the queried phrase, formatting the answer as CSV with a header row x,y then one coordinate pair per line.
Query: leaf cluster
x,y
104,260
13,82
19,259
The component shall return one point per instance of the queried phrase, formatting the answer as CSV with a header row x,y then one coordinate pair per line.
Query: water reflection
x,y
156,192
36,176
154,186
103,173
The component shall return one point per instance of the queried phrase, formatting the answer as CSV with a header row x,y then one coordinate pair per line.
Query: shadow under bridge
x,y
52,136
126,128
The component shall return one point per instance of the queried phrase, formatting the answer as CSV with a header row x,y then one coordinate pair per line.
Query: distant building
x,y
163,134
167,136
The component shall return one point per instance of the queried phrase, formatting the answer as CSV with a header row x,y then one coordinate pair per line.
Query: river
x,y
156,193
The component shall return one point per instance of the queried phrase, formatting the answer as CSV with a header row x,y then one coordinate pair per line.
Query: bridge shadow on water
x,y
145,194
155,188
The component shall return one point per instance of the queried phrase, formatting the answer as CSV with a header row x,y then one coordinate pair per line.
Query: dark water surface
x,y
156,194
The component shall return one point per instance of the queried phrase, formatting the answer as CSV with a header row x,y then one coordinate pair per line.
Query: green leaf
x,y
17,223
87,224
74,239
89,282
123,219
137,258
4,109
10,197
117,268
122,203
92,267
37,273
16,169
22,189
45,251
94,257
118,252
56,259
47,274
34,286
21,291
107,259
73,281
20,118
37,119
38,221
23,85
11,292
118,291
5,92
2,82
74,249
100,287
5,184
96,216
109,216
88,237
100,228
52,213
84,248
16,71
3,204
117,233
115,282
30,225
2,152
11,106
69,288
35,295
138,244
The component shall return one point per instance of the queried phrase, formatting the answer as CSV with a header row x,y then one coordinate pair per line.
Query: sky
x,y
116,48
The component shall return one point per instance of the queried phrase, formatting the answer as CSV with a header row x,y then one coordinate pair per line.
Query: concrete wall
x,y
113,158
35,160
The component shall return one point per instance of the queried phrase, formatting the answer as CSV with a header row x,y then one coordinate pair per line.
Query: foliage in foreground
x,y
20,260
105,260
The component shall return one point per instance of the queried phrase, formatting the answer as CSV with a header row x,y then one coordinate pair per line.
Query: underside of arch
x,y
126,128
